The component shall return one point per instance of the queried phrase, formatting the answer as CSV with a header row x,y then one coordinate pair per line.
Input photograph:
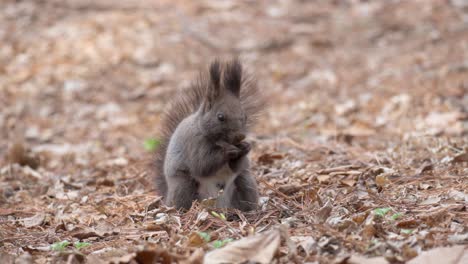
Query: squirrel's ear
x,y
232,78
214,89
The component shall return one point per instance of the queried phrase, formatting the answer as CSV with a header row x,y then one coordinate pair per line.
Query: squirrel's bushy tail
x,y
188,102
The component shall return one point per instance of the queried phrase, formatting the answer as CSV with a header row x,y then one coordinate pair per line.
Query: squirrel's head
x,y
222,115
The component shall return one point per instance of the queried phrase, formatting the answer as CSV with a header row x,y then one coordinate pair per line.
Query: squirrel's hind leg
x,y
182,191
245,196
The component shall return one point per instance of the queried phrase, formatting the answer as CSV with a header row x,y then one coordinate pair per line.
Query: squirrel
x,y
203,151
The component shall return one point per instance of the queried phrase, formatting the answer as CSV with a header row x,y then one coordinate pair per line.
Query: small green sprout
x,y
406,231
205,236
60,246
396,216
151,144
80,245
221,243
220,215
381,211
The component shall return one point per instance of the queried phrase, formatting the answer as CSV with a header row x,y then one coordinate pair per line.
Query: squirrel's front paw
x,y
244,147
232,152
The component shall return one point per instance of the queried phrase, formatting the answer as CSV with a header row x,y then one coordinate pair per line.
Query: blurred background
x,y
83,84
82,72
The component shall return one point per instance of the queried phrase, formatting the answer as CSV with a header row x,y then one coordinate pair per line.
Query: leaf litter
x,y
361,156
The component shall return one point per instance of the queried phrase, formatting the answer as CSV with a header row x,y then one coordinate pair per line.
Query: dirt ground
x,y
362,152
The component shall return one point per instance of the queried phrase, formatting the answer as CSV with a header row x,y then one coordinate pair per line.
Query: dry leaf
x,y
381,180
323,178
339,168
408,252
348,182
462,157
259,248
290,188
368,231
359,218
431,200
269,158
153,255
427,166
23,156
36,220
324,212
195,240
307,243
409,223
359,130
99,231
6,211
458,196
447,255
458,238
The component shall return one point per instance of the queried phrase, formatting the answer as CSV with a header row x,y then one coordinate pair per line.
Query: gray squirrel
x,y
203,152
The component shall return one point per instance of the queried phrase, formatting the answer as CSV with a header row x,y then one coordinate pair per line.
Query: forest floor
x,y
361,156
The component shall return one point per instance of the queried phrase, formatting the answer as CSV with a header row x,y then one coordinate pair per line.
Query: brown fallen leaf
x,y
339,168
382,180
7,211
408,252
195,240
323,178
36,220
83,234
87,232
105,182
259,248
23,156
348,182
462,157
431,200
368,231
153,255
427,166
360,217
289,189
324,212
446,255
408,223
269,158
435,217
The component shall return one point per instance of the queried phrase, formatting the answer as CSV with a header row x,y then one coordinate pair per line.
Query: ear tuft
x,y
215,73
214,88
232,78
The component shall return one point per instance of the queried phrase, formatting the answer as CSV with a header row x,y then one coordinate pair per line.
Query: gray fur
x,y
203,149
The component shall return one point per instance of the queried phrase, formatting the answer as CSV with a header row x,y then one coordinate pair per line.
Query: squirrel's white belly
x,y
220,186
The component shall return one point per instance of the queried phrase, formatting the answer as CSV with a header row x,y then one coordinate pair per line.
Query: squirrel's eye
x,y
221,117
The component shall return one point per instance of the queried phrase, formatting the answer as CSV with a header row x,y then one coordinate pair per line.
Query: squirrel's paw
x,y
231,152
244,147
